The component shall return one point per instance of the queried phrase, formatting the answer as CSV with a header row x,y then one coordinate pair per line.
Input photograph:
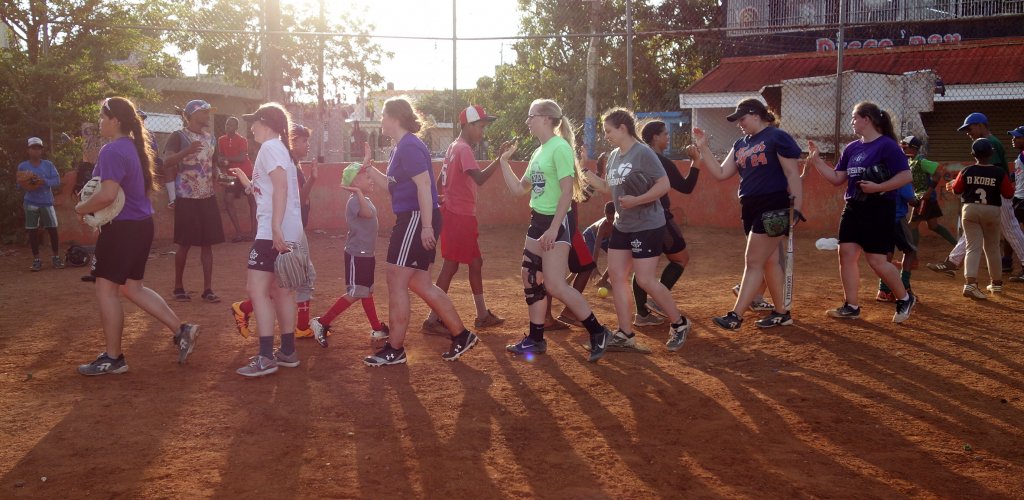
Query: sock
x,y
640,298
481,306
882,287
855,308
339,307
671,274
942,231
54,242
905,277
371,313
246,306
592,325
628,335
302,320
287,342
682,321
536,332
915,236
267,346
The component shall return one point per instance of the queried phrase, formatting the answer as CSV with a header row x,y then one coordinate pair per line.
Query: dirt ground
x,y
823,408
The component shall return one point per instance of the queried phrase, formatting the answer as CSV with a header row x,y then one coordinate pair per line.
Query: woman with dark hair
x,y
866,223
278,230
655,135
553,179
122,249
638,231
412,249
766,160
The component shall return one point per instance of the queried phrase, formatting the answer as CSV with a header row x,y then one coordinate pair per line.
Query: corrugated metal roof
x,y
991,61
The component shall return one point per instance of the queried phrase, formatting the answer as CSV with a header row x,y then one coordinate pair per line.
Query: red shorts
x,y
459,235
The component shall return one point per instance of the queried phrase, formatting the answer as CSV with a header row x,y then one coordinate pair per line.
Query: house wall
x,y
945,143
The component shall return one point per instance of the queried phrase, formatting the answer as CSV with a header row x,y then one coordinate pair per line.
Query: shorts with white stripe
x,y
359,275
406,246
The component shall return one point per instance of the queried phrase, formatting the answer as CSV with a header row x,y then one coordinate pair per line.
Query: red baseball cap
x,y
475,114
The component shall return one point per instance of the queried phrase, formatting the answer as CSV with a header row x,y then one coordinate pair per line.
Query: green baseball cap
x,y
350,172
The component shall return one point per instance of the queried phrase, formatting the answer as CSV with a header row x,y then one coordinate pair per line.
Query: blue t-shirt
x,y
409,159
42,197
757,160
905,195
119,161
859,156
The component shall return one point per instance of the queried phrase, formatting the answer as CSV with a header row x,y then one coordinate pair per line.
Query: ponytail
x,y
880,118
564,129
128,117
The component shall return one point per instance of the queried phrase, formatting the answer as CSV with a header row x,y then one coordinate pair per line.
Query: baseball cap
x,y
142,114
475,114
35,141
1017,132
981,148
350,173
300,130
271,115
196,105
973,119
748,107
911,141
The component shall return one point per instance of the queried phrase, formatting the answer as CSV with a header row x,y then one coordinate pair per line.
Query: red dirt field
x,y
823,408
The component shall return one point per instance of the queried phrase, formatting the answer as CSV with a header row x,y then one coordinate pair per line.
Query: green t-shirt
x,y
550,163
998,154
922,171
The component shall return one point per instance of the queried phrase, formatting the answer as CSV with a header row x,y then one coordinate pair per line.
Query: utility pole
x,y
322,129
590,120
629,54
839,76
455,67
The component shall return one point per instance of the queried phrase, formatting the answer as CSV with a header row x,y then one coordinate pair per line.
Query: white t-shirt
x,y
274,155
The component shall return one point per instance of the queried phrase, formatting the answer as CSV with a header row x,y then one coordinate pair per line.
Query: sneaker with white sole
x,y
994,288
599,344
903,308
761,305
972,291
845,311
186,339
386,356
103,365
729,321
460,344
381,334
647,320
490,319
775,319
945,267
241,319
654,307
319,331
677,335
621,340
435,327
528,345
258,366
286,360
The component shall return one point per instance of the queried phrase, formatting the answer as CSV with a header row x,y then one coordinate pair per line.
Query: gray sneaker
x,y
37,265
57,262
677,335
319,331
647,320
286,360
760,305
258,366
654,307
621,340
103,365
186,340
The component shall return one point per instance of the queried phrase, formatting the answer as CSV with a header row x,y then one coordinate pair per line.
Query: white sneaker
x,y
648,320
619,339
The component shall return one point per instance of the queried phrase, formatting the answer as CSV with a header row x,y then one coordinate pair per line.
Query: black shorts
x,y
359,275
406,246
643,244
1018,209
929,211
262,256
869,224
580,258
197,222
674,242
539,223
753,206
122,250
903,239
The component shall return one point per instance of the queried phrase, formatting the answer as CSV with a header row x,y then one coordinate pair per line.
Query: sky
x,y
427,64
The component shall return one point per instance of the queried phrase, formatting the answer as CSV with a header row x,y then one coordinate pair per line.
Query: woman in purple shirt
x,y
126,163
866,224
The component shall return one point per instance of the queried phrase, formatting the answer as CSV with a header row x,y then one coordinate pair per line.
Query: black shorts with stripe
x,y
406,247
539,223
359,275
122,250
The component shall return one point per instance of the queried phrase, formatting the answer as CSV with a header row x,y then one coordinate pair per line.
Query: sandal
x,y
181,295
731,321
210,297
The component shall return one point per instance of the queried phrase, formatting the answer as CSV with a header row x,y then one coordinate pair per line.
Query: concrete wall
x,y
712,204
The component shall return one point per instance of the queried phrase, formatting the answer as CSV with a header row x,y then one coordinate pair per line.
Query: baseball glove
x,y
877,173
76,256
29,181
290,267
636,183
105,214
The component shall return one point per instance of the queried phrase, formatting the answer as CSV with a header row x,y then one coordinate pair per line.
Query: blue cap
x,y
973,119
196,105
1017,132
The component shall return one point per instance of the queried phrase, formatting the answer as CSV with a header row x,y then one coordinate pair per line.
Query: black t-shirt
x,y
983,185
676,180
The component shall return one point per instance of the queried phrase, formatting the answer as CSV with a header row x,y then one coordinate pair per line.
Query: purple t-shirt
x,y
859,156
409,159
119,161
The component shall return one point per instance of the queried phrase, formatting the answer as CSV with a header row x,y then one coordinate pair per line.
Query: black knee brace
x,y
533,264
